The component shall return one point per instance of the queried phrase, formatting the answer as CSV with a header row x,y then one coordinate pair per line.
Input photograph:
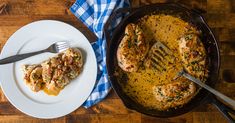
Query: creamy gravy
x,y
139,85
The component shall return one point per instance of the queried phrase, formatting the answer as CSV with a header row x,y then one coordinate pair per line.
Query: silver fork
x,y
159,56
54,48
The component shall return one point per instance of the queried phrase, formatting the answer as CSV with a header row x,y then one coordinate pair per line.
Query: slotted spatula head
x,y
159,57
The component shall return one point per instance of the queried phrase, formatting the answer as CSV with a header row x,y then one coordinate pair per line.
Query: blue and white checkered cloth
x,y
94,14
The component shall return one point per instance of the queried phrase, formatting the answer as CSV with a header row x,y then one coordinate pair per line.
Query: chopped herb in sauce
x,y
147,81
188,37
129,43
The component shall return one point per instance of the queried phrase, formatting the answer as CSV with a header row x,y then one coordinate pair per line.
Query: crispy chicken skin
x,y
54,74
132,49
176,93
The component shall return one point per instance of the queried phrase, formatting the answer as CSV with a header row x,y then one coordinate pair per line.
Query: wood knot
x,y
229,76
3,8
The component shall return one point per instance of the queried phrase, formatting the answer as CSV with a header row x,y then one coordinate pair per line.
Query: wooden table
x,y
220,16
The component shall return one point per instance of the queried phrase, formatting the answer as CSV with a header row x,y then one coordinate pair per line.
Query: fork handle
x,y
213,91
19,57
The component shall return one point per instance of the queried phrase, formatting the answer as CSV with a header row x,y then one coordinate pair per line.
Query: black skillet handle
x,y
113,17
224,109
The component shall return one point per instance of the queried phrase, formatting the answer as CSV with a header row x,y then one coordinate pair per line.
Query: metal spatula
x,y
213,91
159,57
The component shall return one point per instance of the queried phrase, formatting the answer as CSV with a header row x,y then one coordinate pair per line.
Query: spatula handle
x,y
213,91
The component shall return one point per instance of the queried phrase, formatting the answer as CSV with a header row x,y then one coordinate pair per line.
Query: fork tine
x,y
62,45
61,42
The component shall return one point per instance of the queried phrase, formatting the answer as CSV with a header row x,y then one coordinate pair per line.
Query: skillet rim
x,y
126,102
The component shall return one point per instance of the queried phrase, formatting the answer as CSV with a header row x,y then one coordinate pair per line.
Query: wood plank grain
x,y
227,75
115,106
108,106
186,118
197,4
227,61
227,48
219,6
221,20
191,117
232,3
38,7
8,24
7,109
208,117
27,119
2,97
24,19
104,118
29,10
207,107
224,34
7,31
112,95
226,84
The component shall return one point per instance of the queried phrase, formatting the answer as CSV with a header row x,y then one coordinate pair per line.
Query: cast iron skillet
x,y
209,41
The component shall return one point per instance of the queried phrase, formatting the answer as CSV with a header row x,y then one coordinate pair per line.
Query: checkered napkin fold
x,y
94,14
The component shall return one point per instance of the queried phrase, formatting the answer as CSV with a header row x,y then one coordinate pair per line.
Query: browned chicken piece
x,y
193,55
61,69
36,82
27,69
132,49
54,74
46,72
176,93
73,57
33,76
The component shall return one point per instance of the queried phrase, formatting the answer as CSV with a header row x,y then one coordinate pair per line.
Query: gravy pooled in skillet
x,y
158,90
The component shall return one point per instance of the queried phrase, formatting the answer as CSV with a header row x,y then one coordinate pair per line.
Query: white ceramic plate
x,y
36,36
